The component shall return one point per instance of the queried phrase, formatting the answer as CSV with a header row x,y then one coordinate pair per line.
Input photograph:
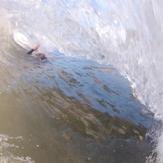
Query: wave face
x,y
126,34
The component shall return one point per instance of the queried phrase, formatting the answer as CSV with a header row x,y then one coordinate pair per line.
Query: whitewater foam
x,y
6,156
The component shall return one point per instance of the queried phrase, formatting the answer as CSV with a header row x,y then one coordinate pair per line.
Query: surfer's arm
x,y
33,49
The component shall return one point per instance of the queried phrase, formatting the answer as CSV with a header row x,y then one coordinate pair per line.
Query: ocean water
x,y
126,34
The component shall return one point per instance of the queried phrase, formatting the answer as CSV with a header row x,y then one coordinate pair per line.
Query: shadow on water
x,y
71,110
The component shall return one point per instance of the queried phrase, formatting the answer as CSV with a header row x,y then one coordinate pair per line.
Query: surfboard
x,y
22,40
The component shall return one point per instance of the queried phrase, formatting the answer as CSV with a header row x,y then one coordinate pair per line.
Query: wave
x,y
126,34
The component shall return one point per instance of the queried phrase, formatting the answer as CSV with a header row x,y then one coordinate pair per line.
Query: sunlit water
x,y
126,34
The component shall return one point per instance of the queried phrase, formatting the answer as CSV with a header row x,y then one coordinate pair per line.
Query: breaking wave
x,y
126,34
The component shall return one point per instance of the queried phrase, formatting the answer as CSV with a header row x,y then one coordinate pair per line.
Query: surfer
x,y
42,56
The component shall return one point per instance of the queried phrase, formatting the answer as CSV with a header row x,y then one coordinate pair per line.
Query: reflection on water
x,y
69,110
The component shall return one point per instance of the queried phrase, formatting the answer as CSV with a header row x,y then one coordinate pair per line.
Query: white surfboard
x,y
22,40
